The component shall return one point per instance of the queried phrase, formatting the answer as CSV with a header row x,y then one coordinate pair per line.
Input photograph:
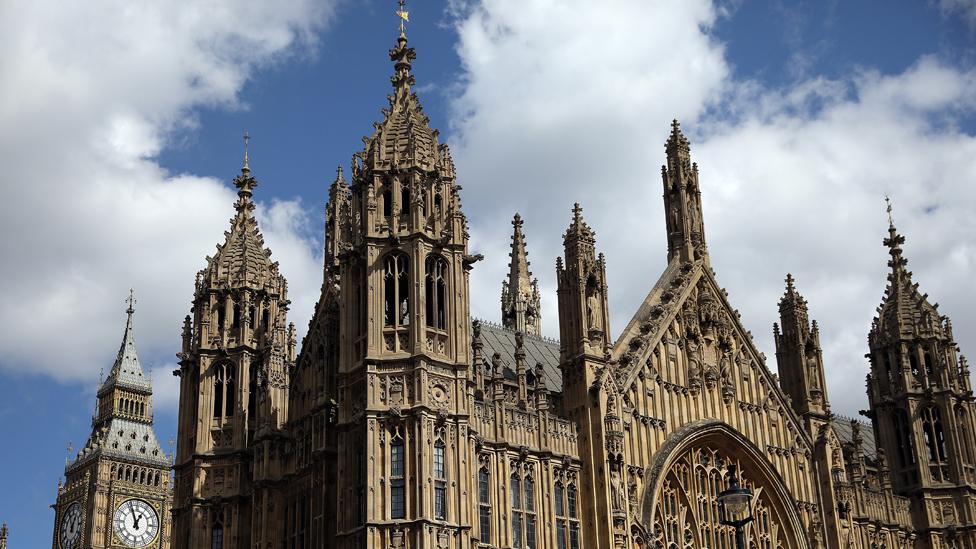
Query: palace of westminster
x,y
402,423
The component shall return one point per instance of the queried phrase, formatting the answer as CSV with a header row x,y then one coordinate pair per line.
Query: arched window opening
x,y
528,505
223,403
396,306
217,536
387,202
484,505
404,199
398,504
516,493
266,319
965,436
567,517
934,437
906,456
440,481
913,362
252,393
252,315
929,370
221,316
237,316
436,292
437,203
320,368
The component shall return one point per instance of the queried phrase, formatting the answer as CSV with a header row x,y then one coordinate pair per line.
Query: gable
x,y
689,314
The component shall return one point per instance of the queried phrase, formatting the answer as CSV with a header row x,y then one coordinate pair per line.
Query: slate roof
x,y
842,427
127,370
125,440
538,350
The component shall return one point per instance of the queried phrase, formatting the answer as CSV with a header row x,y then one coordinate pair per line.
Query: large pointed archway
x,y
679,509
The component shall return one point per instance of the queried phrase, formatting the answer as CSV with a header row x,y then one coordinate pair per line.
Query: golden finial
x,y
403,14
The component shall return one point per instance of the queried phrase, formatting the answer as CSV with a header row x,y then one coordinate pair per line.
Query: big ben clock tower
x,y
116,492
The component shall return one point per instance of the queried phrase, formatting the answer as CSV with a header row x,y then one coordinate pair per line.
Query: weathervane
x,y
403,14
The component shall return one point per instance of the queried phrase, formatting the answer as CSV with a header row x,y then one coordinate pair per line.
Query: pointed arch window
x,y
217,536
387,202
223,379
934,436
517,516
252,393
396,286
440,481
436,292
398,504
567,517
484,505
929,369
404,198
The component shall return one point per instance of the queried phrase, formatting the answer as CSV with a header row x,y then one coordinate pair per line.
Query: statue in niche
x,y
616,485
593,312
694,361
404,313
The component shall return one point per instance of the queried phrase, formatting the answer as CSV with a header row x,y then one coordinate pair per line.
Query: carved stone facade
x,y
405,424
116,491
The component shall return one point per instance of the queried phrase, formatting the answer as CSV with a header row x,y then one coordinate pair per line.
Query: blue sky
x,y
119,137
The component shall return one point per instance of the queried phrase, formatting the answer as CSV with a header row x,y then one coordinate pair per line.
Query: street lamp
x,y
736,507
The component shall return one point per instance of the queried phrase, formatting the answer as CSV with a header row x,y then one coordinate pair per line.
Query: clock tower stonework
x,y
116,492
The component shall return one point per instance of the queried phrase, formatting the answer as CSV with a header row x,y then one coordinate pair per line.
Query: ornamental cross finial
x,y
131,301
247,161
403,14
891,220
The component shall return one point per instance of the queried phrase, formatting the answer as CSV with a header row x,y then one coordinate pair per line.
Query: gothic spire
x,y
520,294
798,354
894,242
682,200
402,57
579,231
127,370
904,308
244,182
792,304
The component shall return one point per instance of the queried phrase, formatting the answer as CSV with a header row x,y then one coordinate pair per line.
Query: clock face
x,y
136,523
71,526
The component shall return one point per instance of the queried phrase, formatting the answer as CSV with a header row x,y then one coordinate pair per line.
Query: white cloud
x,y
571,103
89,94
965,8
